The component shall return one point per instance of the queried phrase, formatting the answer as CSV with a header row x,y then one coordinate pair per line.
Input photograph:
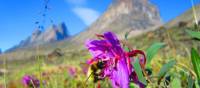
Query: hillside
x,y
187,17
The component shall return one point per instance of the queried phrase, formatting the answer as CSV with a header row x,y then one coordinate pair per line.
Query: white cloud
x,y
88,15
77,2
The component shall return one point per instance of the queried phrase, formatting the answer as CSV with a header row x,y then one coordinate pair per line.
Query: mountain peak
x,y
130,2
52,34
37,32
62,30
55,33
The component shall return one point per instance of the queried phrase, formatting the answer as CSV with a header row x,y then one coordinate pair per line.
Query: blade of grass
x,y
139,73
196,84
190,82
152,50
193,34
194,12
5,76
126,35
196,62
176,83
166,67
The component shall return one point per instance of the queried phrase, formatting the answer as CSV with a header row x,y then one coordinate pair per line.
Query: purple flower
x,y
117,62
84,68
31,81
72,71
109,50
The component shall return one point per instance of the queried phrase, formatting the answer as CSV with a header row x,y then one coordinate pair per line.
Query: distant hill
x,y
173,34
52,34
185,17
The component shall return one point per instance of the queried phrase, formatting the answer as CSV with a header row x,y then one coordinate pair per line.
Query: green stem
x,y
5,67
194,12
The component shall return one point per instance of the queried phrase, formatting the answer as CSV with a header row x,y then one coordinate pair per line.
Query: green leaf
x,y
132,85
176,83
166,67
151,51
126,38
190,82
126,35
196,62
139,73
193,34
126,49
196,84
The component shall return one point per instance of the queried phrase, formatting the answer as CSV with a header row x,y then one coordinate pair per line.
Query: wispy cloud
x,y
77,2
88,15
80,8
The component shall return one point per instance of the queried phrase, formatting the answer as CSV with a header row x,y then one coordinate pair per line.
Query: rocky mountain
x,y
123,16
52,34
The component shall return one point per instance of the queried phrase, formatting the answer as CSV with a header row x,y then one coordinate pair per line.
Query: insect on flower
x,y
95,71
116,63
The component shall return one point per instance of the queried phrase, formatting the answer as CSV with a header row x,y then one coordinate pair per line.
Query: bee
x,y
94,71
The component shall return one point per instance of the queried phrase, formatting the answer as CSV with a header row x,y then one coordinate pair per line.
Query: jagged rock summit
x,y
52,34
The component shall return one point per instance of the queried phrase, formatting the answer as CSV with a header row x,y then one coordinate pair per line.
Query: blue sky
x,y
18,16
